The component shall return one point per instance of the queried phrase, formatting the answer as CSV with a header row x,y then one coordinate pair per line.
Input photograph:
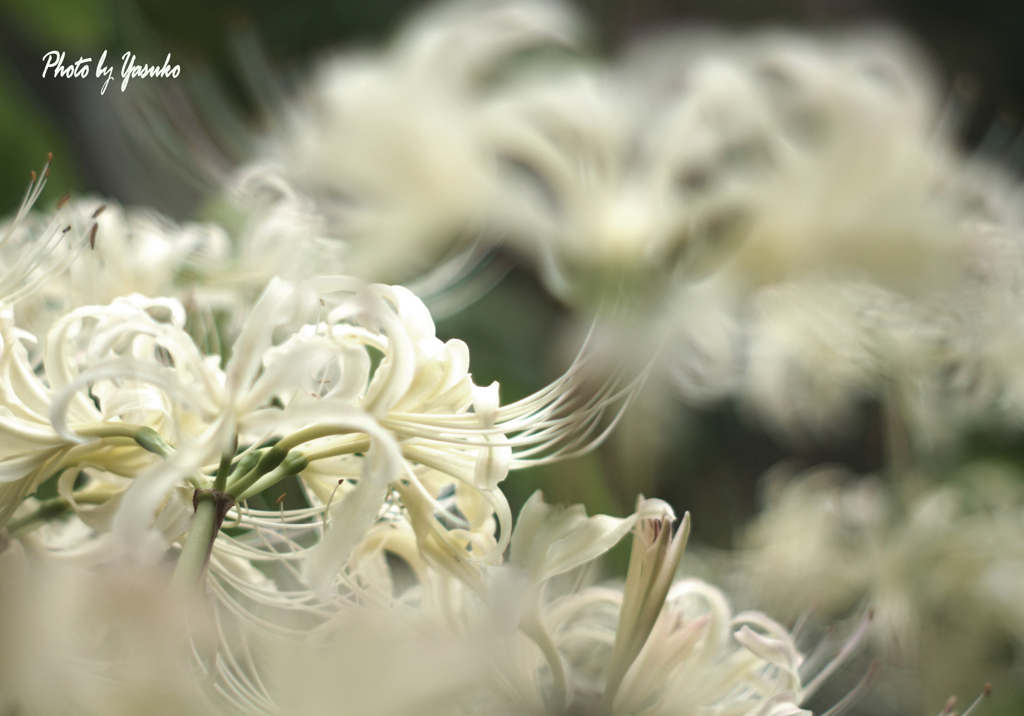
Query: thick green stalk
x,y
211,507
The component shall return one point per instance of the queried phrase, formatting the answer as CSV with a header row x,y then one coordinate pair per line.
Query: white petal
x,y
351,519
485,403
492,464
550,540
133,526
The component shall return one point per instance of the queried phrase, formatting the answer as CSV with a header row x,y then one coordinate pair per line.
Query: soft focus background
x,y
168,143
976,45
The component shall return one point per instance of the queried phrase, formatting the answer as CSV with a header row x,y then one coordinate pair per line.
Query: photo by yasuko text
x,y
82,68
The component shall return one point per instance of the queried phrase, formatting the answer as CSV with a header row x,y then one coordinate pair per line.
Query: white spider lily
x,y
32,254
140,251
414,422
35,448
848,542
561,656
810,312
697,659
551,540
850,123
587,190
652,567
32,450
699,153
391,143
28,437
696,656
423,398
130,251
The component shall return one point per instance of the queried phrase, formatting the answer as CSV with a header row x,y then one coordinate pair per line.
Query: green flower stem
x,y
293,464
220,481
150,439
266,461
107,430
313,432
243,467
147,438
255,480
347,446
211,507
257,471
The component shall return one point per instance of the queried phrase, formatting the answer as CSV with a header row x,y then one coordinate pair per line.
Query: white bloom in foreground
x,y
470,635
374,663
646,647
353,392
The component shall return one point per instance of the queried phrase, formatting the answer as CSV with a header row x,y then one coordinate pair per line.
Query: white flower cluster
x,y
792,208
941,569
150,406
873,263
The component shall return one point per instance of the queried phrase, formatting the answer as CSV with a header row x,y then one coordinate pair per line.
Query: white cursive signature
x,y
54,60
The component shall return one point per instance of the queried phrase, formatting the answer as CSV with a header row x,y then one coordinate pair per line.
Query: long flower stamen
x,y
542,428
977,701
35,188
18,280
855,693
847,649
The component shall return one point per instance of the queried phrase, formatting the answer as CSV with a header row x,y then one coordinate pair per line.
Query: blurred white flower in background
x,y
935,571
702,171
391,143
874,263
775,155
